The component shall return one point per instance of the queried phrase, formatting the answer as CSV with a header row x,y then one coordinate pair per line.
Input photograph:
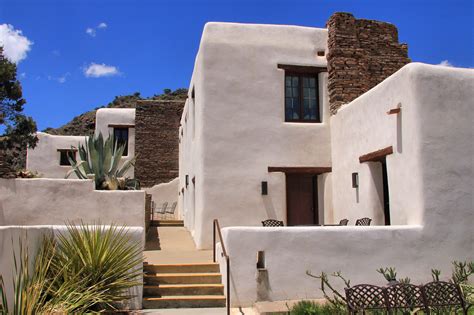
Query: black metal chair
x,y
365,297
363,221
343,222
405,297
272,222
442,295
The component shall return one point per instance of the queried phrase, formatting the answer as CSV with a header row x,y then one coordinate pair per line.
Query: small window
x,y
301,97
121,137
63,157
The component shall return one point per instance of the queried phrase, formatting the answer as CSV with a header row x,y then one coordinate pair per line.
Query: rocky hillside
x,y
84,124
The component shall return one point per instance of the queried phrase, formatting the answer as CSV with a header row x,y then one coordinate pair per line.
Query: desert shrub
x,y
89,268
312,308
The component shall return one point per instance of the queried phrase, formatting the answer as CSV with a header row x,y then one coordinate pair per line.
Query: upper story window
x,y
301,98
121,137
302,93
63,156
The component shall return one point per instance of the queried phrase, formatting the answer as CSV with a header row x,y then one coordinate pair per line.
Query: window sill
x,y
303,121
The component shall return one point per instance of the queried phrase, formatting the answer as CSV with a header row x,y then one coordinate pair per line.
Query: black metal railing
x,y
216,226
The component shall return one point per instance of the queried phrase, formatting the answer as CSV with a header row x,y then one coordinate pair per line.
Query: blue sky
x,y
146,46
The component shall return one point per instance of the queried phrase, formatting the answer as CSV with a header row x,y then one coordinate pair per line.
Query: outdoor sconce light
x,y
264,188
355,180
187,181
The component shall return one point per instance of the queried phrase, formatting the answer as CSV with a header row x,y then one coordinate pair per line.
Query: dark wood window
x,y
121,137
63,156
301,97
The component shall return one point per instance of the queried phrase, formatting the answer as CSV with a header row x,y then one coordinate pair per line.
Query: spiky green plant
x,y
102,158
89,268
104,255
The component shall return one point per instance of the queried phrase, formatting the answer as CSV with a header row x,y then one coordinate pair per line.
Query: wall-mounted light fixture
x,y
264,188
355,180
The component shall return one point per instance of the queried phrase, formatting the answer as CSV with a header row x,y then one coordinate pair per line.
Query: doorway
x,y
302,199
386,197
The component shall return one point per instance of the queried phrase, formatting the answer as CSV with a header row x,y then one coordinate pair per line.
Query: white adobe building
x,y
251,149
49,157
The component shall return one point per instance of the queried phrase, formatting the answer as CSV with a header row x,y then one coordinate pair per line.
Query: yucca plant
x,y
32,287
105,256
102,159
89,268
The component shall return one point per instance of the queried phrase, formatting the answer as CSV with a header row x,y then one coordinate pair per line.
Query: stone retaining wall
x,y
157,141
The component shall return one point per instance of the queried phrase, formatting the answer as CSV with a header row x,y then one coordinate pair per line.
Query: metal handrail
x,y
216,226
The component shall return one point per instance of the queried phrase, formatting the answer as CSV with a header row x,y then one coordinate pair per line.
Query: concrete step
x,y
181,268
165,223
183,278
164,290
184,301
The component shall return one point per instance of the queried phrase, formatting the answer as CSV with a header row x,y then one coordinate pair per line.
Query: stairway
x,y
183,286
167,223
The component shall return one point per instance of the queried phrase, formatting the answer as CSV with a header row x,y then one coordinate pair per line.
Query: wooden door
x,y
301,199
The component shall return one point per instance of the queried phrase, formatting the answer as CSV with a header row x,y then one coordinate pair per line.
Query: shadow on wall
x,y
399,131
269,208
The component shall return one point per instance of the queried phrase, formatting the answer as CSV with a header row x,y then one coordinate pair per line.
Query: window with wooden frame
x,y
121,137
302,93
64,154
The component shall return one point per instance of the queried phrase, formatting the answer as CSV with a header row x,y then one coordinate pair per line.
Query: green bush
x,y
312,308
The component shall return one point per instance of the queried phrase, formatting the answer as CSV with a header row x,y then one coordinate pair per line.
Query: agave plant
x,y
101,158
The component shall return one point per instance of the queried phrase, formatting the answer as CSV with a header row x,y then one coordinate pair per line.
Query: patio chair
x,y
364,297
343,222
441,294
272,222
405,297
172,209
363,221
162,210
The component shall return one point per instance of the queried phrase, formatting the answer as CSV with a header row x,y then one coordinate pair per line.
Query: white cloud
x,y
90,31
61,79
445,63
15,45
95,70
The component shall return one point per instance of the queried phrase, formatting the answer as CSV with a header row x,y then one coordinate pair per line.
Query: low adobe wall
x,y
54,201
10,237
166,192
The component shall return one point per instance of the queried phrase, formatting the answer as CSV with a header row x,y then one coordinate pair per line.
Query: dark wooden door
x,y
301,199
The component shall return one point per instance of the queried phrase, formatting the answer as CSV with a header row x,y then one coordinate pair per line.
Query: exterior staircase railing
x,y
216,227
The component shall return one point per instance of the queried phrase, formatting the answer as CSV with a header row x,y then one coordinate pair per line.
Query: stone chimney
x,y
361,54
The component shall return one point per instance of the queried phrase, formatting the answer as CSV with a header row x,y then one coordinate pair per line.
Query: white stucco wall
x,y
430,178
105,117
166,192
44,158
235,128
54,201
31,236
